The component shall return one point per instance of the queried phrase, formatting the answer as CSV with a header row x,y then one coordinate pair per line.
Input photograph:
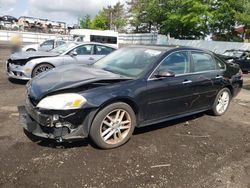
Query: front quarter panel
x,y
55,61
127,91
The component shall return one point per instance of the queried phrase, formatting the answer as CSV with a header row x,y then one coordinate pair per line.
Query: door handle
x,y
218,77
91,58
187,81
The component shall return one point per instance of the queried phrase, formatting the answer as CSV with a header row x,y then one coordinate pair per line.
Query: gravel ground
x,y
197,151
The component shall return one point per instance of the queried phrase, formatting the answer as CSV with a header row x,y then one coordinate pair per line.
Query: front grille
x,y
20,62
42,119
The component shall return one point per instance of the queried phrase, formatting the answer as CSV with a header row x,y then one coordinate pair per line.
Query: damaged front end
x,y
61,125
61,104
16,69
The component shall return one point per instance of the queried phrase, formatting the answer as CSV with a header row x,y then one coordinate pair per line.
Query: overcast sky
x,y
58,10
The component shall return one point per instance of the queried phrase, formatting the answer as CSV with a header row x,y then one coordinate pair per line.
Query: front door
x,y
84,54
171,95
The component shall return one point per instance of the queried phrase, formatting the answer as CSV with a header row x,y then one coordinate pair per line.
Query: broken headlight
x,y
62,102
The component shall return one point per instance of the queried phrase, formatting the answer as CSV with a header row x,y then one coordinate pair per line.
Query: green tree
x,y
138,14
223,19
85,22
190,19
100,21
110,17
118,19
187,19
243,17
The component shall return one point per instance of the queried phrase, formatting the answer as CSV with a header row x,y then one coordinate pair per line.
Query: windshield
x,y
128,61
63,48
233,53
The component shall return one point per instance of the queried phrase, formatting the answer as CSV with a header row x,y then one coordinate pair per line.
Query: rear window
x,y
220,63
203,62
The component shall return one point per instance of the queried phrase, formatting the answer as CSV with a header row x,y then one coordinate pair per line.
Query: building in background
x,y
41,25
9,23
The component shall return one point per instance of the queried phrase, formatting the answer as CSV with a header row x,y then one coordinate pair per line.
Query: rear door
x,y
207,77
101,51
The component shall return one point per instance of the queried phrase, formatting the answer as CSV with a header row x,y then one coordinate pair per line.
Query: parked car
x,y
244,62
26,65
240,57
131,87
234,53
44,46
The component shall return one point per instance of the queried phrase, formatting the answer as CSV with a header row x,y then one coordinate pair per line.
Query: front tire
x,y
113,125
41,68
221,102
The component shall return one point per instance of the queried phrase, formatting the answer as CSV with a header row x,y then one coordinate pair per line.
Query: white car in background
x,y
44,46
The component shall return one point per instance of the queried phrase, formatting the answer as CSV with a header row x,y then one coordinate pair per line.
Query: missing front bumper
x,y
60,134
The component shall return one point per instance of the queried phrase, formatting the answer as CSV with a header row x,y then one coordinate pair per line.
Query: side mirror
x,y
73,53
164,74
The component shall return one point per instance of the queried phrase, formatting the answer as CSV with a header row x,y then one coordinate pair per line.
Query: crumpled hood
x,y
31,55
65,77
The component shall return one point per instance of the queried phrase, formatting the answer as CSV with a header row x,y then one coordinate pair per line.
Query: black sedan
x,y
240,57
244,62
131,87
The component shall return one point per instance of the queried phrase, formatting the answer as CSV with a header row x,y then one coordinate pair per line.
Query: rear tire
x,y
44,67
221,102
113,125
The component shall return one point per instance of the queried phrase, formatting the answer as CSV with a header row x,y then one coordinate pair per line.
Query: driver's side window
x,y
178,62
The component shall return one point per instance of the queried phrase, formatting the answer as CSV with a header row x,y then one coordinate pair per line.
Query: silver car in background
x,y
44,46
25,65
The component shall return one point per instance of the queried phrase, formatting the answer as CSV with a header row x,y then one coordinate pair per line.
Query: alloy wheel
x,y
42,68
115,126
223,102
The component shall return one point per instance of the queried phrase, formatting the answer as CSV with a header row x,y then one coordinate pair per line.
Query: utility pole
x,y
111,20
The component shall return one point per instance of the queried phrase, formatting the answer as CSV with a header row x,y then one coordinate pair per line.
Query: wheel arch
x,y
230,89
39,65
30,49
126,100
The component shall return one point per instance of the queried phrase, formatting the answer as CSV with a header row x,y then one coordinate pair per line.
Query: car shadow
x,y
86,142
16,81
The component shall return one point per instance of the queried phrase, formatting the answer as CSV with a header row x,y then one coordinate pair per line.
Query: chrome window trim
x,y
190,73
